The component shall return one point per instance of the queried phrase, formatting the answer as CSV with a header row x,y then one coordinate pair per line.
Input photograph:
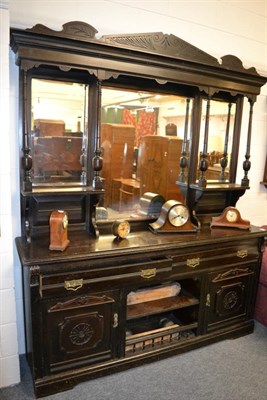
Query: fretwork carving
x,y
159,42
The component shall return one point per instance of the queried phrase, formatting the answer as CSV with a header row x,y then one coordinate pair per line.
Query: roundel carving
x,y
230,300
81,334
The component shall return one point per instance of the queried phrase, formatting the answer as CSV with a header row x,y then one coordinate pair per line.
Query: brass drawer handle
x,y
148,273
242,253
193,262
73,285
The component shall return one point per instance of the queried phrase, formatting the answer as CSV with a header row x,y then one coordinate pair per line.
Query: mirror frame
x,y
143,60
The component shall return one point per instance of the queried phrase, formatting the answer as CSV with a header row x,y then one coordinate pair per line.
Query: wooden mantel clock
x,y
174,217
230,218
58,230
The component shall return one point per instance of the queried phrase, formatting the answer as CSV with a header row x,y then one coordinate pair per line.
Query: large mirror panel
x,y
58,132
217,145
142,137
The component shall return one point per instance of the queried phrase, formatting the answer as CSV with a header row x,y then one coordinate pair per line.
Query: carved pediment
x,y
158,42
154,42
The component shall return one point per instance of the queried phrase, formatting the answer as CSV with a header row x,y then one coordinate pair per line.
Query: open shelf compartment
x,y
140,310
143,338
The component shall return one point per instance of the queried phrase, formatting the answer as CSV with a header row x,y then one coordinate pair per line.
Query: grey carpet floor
x,y
229,370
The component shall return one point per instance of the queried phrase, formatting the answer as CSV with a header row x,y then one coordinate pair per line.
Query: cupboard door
x,y
228,297
80,331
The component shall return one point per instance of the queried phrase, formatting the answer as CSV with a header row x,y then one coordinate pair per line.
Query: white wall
x,y
218,27
9,366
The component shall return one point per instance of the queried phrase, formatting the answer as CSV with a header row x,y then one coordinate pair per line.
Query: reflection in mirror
x,y
219,138
58,132
141,140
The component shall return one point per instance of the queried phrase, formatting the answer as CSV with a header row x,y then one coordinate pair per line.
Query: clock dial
x,y
65,221
178,215
121,229
231,215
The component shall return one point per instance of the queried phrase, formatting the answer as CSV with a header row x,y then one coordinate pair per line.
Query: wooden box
x,y
49,127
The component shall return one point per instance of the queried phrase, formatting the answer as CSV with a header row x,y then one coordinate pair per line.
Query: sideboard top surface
x,y
84,247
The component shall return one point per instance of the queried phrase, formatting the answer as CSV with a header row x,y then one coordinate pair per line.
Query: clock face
x,y
121,229
178,215
231,215
65,221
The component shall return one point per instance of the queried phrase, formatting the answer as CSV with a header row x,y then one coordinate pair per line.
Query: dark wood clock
x,y
174,217
230,218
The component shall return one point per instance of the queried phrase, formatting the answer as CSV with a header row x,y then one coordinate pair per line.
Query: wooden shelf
x,y
160,306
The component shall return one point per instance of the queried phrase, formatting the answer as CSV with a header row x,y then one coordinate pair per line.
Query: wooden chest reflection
x,y
56,155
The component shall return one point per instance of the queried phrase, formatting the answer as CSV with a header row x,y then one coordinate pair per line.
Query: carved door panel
x,y
228,296
81,331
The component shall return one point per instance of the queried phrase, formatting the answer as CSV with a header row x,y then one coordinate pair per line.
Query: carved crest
x,y
234,63
73,30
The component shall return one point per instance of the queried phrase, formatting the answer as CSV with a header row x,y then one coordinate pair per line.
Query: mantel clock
x,y
230,218
174,217
58,230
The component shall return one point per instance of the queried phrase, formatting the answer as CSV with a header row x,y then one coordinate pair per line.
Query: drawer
x,y
108,277
226,256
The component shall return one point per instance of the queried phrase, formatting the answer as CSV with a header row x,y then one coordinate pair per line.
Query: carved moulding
x,y
26,65
78,302
232,274
152,42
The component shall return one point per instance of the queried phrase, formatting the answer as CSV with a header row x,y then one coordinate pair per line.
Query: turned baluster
x,y
184,159
97,161
247,163
26,158
83,157
224,159
204,164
